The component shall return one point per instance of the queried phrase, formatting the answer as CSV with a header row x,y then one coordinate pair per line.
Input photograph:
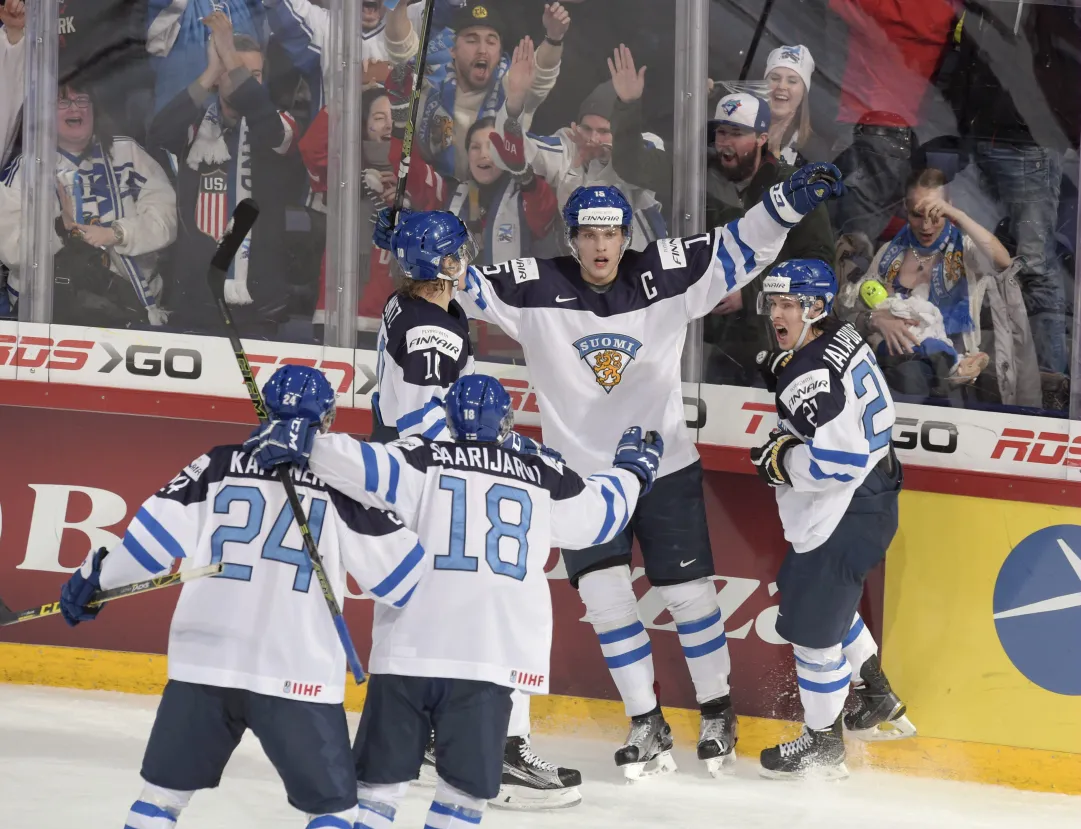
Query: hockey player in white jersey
x,y
837,480
255,647
603,334
480,622
423,348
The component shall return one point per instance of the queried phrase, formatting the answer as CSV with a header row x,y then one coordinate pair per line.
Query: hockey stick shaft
x,y
243,219
414,111
10,617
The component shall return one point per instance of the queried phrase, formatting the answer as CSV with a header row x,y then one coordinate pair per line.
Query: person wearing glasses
x,y
115,213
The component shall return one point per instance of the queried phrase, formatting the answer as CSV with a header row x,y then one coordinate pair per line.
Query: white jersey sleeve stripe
x,y
838,456
392,484
138,552
168,543
371,468
417,416
398,575
821,475
609,500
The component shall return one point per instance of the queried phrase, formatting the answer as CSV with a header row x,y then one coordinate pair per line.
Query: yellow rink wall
x,y
1024,768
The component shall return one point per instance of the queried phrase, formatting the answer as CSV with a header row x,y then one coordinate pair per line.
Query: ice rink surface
x,y
71,759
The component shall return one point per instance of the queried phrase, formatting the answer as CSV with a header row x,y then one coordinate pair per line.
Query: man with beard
x,y
739,171
474,85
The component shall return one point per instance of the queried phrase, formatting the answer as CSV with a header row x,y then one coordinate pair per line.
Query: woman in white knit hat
x,y
788,72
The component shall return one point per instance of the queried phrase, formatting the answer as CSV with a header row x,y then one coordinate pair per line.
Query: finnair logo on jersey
x,y
608,355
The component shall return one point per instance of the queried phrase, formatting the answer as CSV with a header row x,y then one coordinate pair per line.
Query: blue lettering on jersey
x,y
608,355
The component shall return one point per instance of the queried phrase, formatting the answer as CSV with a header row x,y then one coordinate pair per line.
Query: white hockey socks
x,y
859,646
338,820
823,675
453,808
377,804
156,808
612,609
700,626
519,715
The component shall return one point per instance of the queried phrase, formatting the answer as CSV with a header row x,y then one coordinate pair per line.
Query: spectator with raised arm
x,y
231,142
582,155
946,258
474,85
12,70
115,213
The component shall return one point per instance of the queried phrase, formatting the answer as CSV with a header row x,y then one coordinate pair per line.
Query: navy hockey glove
x,y
523,445
805,189
640,455
768,459
282,441
80,589
770,365
383,235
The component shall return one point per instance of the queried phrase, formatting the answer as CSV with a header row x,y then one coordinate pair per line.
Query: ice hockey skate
x,y
818,754
880,714
717,736
531,783
648,749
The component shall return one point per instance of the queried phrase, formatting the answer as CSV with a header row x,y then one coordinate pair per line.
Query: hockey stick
x,y
758,30
12,617
414,111
239,226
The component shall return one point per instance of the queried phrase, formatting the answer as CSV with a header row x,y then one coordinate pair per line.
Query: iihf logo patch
x,y
288,686
608,355
731,106
513,677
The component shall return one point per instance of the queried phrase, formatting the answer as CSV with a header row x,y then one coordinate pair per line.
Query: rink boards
x,y
979,610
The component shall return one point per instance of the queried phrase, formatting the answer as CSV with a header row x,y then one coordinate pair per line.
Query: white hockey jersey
x,y
601,362
422,350
487,518
832,396
263,625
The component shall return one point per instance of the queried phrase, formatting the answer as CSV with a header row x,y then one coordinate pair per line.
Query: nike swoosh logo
x,y
566,298
685,563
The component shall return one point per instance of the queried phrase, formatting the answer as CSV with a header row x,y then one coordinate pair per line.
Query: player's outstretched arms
x,y
595,510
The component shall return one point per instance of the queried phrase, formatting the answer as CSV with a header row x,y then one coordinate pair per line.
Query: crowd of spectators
x,y
955,124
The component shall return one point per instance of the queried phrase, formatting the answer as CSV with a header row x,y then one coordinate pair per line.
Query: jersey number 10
x,y
457,558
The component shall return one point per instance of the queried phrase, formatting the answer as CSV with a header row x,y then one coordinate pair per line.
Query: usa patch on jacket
x,y
608,355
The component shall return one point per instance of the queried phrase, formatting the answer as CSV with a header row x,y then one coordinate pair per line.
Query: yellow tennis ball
x,y
873,293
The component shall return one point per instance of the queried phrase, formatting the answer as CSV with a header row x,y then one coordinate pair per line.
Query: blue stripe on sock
x,y
139,553
823,687
853,632
383,809
821,669
705,648
459,812
619,634
628,658
699,624
160,534
141,807
330,822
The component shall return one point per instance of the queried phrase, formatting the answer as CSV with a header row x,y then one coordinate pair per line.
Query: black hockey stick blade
x,y
240,226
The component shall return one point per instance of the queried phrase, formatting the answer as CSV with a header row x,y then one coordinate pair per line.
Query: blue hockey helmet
x,y
808,281
597,206
479,409
433,245
300,391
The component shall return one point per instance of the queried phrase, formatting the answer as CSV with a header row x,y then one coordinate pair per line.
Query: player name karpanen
x,y
485,458
242,464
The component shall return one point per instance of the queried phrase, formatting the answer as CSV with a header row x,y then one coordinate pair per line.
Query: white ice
x,y
70,760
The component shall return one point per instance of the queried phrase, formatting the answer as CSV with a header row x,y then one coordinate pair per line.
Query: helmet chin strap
x,y
807,323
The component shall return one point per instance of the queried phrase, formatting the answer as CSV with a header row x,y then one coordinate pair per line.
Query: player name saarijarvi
x,y
480,457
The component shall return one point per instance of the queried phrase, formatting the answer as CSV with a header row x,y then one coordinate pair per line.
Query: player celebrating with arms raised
x,y
837,481
603,334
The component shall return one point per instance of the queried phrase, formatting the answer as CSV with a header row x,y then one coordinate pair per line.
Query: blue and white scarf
x,y
101,193
949,287
436,123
